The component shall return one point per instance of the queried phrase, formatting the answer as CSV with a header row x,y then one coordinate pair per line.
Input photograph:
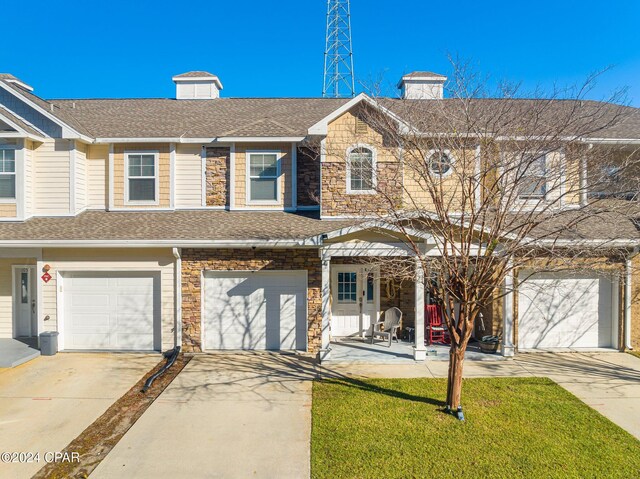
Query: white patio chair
x,y
391,323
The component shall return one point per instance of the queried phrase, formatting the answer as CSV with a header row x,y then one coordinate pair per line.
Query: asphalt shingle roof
x,y
175,226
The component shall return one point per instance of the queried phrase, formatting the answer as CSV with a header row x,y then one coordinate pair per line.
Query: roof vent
x,y
197,86
422,86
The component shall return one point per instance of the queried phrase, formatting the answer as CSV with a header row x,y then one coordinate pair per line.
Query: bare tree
x,y
503,183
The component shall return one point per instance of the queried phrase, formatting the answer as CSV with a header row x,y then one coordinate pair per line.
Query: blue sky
x,y
84,49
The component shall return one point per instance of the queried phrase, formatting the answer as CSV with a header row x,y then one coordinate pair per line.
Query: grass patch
x,y
634,353
515,427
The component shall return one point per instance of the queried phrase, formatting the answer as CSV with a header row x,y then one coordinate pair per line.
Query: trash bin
x,y
49,343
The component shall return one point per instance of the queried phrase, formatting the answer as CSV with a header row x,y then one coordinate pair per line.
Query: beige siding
x,y
164,180
8,210
6,290
240,177
188,176
81,176
62,260
97,176
51,170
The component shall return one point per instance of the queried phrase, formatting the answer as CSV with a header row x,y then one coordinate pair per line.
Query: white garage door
x,y
110,311
260,310
565,311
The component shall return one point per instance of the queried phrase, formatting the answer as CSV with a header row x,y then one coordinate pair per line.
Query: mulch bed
x,y
97,440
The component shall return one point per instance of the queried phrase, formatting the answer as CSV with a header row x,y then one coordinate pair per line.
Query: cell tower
x,y
338,55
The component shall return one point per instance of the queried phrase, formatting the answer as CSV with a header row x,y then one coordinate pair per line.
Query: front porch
x,y
356,292
351,350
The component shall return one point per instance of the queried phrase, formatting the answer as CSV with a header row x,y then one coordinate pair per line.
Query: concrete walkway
x,y
225,415
48,402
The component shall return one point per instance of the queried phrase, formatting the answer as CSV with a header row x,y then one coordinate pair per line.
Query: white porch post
x,y
325,350
419,349
508,349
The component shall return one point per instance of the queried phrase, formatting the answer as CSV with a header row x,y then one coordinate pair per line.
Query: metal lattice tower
x,y
338,55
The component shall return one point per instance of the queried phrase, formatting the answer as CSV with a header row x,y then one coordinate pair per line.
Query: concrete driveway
x,y
249,414
46,403
225,415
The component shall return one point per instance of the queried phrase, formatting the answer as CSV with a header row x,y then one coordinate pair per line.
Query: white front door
x,y
355,297
25,301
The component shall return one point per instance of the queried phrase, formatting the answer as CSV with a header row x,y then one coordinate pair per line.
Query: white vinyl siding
x,y
51,171
188,182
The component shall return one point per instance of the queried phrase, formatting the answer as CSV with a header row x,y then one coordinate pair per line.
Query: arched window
x,y
361,175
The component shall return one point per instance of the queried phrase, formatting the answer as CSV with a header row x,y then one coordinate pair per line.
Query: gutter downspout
x,y
177,276
627,299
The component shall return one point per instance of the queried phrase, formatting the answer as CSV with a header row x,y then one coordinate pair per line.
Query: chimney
x,y
197,86
422,86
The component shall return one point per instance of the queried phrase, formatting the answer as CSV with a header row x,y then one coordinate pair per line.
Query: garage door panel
x,y
263,310
111,311
563,311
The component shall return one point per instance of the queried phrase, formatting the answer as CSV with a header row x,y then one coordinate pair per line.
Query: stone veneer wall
x,y
337,202
217,175
194,261
308,183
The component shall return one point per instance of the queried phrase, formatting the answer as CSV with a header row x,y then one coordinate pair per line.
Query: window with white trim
x,y
263,173
7,173
361,170
142,177
533,178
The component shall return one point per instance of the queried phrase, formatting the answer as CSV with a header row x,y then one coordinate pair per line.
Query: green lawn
x,y
515,427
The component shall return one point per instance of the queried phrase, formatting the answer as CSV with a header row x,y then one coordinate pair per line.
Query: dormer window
x,y
142,177
7,173
361,170
533,182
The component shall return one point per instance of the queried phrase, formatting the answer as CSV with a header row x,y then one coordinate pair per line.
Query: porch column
x,y
419,349
325,349
508,349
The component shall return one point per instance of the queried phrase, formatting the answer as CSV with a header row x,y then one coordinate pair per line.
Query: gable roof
x,y
168,118
162,118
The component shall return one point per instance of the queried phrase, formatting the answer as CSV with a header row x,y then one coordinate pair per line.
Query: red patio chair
x,y
435,328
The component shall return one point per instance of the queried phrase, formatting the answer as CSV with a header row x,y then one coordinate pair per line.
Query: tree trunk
x,y
454,383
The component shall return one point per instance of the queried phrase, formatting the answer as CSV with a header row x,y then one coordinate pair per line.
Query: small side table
x,y
409,333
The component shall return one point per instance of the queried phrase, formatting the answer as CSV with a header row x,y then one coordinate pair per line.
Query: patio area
x,y
358,351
